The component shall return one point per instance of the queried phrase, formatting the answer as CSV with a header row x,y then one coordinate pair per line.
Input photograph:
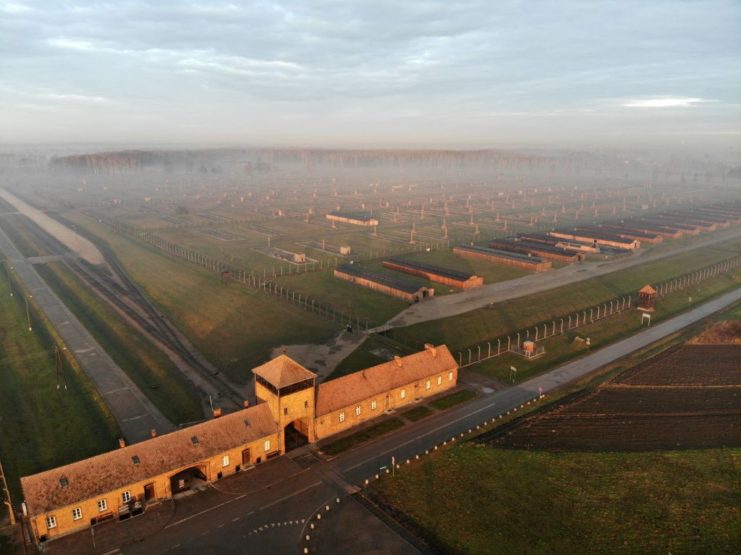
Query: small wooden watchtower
x,y
646,298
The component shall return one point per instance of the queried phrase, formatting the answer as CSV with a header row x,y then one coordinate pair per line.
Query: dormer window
x,y
194,440
63,481
135,459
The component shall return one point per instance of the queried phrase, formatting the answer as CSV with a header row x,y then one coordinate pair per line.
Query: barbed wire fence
x,y
558,326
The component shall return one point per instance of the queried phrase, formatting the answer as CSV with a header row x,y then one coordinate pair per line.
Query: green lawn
x,y
366,434
42,426
234,326
453,399
417,413
505,501
148,367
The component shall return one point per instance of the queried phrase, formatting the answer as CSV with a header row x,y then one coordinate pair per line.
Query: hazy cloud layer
x,y
370,72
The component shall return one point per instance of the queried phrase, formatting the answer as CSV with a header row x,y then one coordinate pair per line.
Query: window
x,y
428,384
194,440
357,410
450,376
76,513
266,445
225,461
51,522
342,416
373,404
403,394
135,459
102,505
63,481
285,411
439,380
126,496
306,404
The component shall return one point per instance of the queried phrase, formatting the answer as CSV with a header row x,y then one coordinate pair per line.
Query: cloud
x,y
668,102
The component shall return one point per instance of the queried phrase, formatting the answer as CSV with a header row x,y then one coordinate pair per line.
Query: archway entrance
x,y
295,435
188,479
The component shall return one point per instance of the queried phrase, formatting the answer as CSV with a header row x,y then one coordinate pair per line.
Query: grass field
x,y
42,426
504,501
148,367
234,326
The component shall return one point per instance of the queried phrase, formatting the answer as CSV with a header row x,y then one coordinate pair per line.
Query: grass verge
x,y
453,399
371,432
417,413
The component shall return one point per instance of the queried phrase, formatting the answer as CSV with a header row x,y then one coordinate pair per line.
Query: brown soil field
x,y
688,397
688,365
728,333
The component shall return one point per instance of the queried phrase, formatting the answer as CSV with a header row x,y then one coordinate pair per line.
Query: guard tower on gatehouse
x,y
289,390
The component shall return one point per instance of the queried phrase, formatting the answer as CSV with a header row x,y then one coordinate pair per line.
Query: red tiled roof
x,y
361,385
113,470
283,371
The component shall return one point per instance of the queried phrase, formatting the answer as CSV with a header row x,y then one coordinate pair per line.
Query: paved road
x,y
241,514
135,414
465,301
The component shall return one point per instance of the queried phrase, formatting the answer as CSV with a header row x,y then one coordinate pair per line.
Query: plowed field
x,y
686,398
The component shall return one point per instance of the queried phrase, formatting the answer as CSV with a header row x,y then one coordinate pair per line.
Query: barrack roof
x,y
358,386
283,371
107,472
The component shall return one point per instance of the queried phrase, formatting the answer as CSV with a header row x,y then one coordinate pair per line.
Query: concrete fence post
x,y
499,344
489,353
591,316
509,343
469,356
561,326
536,334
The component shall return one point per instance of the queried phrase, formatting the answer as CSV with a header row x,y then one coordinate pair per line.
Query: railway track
x,y
116,288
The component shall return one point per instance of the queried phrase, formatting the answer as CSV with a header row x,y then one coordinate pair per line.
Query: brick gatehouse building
x,y
292,409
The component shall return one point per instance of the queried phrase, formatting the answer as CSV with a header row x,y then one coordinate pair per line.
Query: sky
x,y
492,73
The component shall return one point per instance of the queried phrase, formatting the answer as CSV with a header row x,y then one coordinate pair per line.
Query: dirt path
x,y
64,235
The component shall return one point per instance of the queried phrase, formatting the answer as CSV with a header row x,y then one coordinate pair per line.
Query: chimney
x,y
153,433
217,412
430,347
245,404
398,361
121,442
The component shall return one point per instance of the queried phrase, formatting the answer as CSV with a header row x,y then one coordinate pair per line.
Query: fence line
x,y
544,330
